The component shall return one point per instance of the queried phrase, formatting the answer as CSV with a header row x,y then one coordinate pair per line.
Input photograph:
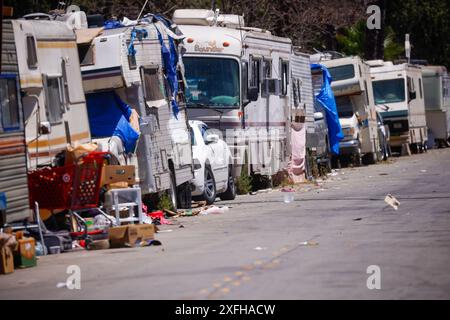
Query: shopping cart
x,y
73,187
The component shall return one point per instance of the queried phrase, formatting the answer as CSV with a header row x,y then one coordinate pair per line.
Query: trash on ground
x,y
392,201
260,248
309,243
423,171
215,210
165,231
158,218
357,219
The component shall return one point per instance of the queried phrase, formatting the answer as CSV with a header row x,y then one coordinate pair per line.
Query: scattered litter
x,y
309,243
260,248
214,210
357,219
383,174
158,218
181,226
168,230
170,213
288,195
60,285
423,171
253,193
392,201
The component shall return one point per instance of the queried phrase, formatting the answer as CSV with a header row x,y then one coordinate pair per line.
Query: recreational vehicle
x,y
53,100
436,86
238,82
356,109
399,96
126,75
13,164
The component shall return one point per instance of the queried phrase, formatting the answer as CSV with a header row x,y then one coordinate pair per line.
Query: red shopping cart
x,y
73,187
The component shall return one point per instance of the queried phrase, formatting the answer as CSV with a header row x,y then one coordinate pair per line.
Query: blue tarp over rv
x,y
109,116
326,99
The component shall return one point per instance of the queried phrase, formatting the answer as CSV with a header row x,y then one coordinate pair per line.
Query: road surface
x,y
317,247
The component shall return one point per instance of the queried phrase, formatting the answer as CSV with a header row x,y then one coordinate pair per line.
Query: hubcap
x,y
209,185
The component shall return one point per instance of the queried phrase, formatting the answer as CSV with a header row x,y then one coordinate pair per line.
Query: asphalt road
x,y
257,249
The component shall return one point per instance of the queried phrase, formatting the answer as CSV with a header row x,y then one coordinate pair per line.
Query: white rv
x,y
238,81
123,68
13,164
436,86
52,93
399,97
355,104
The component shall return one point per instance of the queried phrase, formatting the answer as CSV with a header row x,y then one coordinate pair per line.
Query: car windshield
x,y
212,82
342,72
389,91
344,107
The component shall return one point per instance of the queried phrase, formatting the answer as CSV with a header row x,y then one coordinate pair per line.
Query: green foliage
x,y
165,202
244,183
352,41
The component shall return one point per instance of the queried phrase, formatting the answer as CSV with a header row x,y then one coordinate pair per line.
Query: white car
x,y
212,164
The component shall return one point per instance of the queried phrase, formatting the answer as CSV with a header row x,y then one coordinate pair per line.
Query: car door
x,y
218,161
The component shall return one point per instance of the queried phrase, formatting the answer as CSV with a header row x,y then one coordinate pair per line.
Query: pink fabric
x,y
298,143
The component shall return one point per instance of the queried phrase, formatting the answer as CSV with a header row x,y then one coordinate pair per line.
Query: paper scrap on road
x,y
392,201
309,243
260,248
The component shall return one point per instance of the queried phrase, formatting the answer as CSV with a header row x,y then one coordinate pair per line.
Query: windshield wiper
x,y
196,105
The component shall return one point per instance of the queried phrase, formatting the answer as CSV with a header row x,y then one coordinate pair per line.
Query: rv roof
x,y
51,30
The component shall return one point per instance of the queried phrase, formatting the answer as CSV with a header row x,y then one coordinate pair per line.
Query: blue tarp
x,y
326,99
170,60
108,116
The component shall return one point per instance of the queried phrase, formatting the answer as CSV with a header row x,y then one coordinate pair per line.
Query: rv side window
x,y
295,93
65,83
254,79
244,79
31,53
284,76
9,105
266,74
420,88
367,94
152,85
299,89
54,106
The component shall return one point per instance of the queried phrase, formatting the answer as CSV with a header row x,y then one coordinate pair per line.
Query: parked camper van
x,y
124,73
399,96
13,164
357,113
436,86
238,81
52,94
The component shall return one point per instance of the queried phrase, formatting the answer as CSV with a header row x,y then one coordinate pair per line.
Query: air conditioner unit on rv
x,y
199,17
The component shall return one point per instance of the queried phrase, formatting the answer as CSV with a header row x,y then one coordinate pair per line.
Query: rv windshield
x,y
212,82
389,91
344,107
342,72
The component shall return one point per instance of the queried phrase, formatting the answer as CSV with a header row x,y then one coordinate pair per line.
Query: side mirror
x,y
45,127
252,94
318,116
412,95
212,138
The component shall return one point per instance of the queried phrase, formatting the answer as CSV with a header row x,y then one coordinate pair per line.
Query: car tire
x,y
173,191
230,193
209,192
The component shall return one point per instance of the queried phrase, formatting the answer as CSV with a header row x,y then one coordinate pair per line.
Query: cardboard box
x,y
130,235
115,174
25,255
6,261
